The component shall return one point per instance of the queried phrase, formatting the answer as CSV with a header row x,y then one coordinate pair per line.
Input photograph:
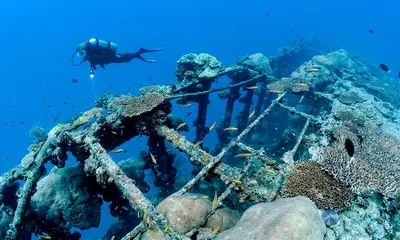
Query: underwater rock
x,y
330,217
257,62
62,198
363,222
292,218
350,97
291,57
194,66
223,217
186,212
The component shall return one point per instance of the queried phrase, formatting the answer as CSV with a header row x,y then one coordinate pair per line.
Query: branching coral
x,y
375,163
309,180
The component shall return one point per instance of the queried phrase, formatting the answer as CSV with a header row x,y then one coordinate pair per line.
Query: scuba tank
x,y
93,43
107,46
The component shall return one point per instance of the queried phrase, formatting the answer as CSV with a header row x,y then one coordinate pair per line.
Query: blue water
x,y
39,37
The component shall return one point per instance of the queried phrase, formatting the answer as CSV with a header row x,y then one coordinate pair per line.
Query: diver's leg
x,y
144,50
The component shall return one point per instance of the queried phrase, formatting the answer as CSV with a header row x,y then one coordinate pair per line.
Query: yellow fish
x,y
153,158
236,181
200,197
301,84
180,126
268,170
215,231
144,217
186,105
168,134
166,227
244,155
212,126
313,69
154,230
45,237
112,238
252,113
230,129
117,150
215,199
275,91
177,139
252,87
197,144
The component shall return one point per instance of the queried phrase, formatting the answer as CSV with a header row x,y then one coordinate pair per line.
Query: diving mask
x,y
81,54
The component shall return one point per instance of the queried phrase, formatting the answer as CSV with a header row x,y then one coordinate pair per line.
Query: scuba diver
x,y
101,52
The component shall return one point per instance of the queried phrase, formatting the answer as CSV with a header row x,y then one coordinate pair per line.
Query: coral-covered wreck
x,y
328,169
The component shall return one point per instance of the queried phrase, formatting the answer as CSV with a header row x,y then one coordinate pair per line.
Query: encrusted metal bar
x,y
126,185
216,89
32,177
135,232
297,112
288,156
259,154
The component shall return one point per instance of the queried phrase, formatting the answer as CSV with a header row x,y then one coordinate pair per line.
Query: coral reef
x,y
309,180
374,165
324,126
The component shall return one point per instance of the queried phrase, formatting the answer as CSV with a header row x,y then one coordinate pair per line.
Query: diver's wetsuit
x,y
97,56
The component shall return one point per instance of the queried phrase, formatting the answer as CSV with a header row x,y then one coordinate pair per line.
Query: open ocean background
x,y
39,37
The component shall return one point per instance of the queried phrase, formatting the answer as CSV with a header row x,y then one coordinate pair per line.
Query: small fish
x,y
244,155
153,158
215,231
168,134
212,126
215,199
6,158
154,230
313,69
200,197
268,170
231,129
112,238
177,139
398,74
117,150
188,114
300,84
113,132
275,91
235,181
166,227
252,87
371,31
144,217
44,237
186,105
197,144
74,81
384,67
180,126
252,113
